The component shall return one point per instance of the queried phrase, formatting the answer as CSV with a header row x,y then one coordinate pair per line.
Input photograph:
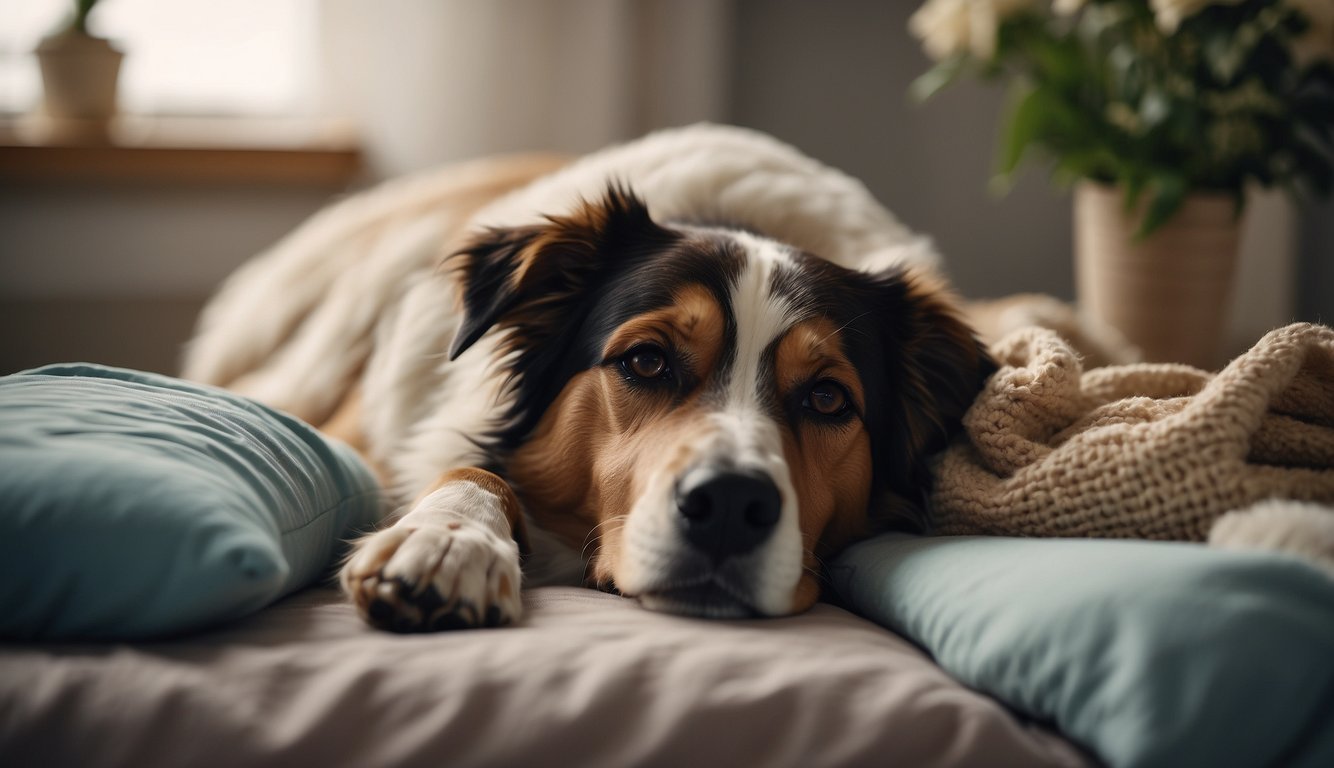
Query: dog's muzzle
x,y
726,512
720,538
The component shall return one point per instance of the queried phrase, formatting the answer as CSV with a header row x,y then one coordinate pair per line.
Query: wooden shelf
x,y
184,150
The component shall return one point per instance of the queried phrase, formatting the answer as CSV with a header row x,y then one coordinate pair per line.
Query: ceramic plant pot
x,y
1167,293
79,76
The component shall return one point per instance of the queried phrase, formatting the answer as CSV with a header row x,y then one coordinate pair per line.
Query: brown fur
x,y
581,469
831,468
585,464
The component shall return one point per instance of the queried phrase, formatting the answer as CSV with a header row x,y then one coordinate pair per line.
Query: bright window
x,y
248,57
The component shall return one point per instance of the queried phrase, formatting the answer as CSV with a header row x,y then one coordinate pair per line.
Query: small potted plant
x,y
1163,114
79,75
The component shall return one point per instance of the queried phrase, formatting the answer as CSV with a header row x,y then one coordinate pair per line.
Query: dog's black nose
x,y
728,512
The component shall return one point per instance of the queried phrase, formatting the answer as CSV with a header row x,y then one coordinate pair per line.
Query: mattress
x,y
585,679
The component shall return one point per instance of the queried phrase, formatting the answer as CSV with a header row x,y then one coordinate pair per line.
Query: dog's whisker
x,y
844,327
594,536
818,570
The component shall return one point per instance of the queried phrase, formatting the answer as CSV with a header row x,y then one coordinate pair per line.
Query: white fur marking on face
x,y
761,317
756,441
740,433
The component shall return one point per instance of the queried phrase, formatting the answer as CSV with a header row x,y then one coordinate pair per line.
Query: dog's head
x,y
708,412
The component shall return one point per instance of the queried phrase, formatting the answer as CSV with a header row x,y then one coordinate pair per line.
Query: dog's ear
x,y
935,366
531,278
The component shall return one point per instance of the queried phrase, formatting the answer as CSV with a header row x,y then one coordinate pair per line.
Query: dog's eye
x,y
827,398
647,362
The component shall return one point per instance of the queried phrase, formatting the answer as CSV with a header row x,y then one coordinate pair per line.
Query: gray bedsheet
x,y
587,679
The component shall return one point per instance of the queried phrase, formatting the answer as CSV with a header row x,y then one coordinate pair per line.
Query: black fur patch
x,y
586,274
921,367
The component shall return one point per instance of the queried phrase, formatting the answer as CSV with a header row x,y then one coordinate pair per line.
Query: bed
x,y
164,570
1083,672
587,679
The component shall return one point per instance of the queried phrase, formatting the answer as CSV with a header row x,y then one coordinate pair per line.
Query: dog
x,y
688,369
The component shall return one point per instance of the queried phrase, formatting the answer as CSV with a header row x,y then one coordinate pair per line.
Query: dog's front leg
x,y
451,562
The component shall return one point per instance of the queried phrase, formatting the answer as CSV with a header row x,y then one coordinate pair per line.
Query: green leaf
x,y
1167,195
1021,126
935,79
1315,112
1059,62
1314,166
1224,52
1133,187
81,10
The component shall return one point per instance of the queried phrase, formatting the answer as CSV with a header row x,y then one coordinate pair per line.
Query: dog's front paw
x,y
454,575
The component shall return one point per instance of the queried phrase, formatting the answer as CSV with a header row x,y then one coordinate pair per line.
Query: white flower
x,y
949,27
1168,14
1068,7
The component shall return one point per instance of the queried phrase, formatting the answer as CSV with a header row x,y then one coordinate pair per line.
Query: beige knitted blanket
x,y
1153,451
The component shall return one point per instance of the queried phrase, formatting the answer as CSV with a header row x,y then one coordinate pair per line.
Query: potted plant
x,y
79,74
1163,114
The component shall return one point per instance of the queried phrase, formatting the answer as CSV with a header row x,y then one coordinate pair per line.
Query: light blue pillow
x,y
1149,654
135,505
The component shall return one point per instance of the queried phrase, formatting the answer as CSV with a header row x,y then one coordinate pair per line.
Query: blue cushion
x,y
134,505
1149,654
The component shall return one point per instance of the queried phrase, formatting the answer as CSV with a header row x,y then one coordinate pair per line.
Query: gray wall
x,y
1315,286
832,78
124,239
115,272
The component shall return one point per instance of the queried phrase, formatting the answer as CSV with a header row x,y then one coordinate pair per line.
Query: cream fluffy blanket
x,y
1154,451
